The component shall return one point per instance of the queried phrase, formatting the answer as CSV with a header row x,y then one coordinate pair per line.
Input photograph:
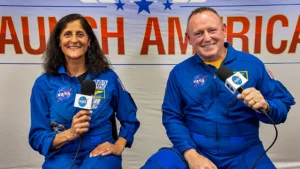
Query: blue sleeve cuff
x,y
128,136
185,147
44,147
277,115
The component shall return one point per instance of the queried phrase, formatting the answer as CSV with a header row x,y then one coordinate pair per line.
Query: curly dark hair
x,y
53,57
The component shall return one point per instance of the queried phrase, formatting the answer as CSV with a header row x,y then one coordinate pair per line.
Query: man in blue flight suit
x,y
208,125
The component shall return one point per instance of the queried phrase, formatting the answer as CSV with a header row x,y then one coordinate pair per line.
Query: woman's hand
x,y
80,124
108,148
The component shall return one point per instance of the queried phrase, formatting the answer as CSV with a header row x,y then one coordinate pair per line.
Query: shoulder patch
x,y
119,80
270,73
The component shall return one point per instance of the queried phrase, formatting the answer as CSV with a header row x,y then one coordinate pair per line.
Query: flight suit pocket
x,y
202,107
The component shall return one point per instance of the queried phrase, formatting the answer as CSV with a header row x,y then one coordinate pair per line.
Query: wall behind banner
x,y
144,43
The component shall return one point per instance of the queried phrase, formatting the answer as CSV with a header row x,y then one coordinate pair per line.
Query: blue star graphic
x,y
143,5
120,5
167,5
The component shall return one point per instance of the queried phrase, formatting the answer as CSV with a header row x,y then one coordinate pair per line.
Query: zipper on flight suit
x,y
231,103
217,132
218,89
217,86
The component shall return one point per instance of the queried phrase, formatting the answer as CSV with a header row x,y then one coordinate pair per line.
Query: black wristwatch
x,y
269,108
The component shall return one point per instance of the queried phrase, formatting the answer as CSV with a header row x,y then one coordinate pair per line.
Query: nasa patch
x,y
199,80
63,94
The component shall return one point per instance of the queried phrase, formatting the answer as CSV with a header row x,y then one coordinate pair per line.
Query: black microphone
x,y
84,100
88,87
226,75
235,84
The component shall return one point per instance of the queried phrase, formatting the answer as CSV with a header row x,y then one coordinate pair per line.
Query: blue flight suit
x,y
199,112
52,110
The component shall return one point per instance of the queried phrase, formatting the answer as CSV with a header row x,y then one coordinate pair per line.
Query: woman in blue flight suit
x,y
57,127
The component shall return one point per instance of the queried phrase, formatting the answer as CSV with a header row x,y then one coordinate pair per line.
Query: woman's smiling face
x,y
74,41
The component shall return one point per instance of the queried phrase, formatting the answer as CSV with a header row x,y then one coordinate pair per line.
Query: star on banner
x,y
167,5
120,5
143,5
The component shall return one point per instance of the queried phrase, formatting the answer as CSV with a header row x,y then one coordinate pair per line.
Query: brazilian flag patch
x,y
244,73
99,94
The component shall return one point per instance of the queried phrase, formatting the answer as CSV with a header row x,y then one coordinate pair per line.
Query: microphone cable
x,y
224,73
88,87
276,135
80,142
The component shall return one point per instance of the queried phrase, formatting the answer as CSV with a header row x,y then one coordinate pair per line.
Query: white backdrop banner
x,y
133,32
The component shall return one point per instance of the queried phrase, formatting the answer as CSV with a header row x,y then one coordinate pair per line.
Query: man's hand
x,y
254,99
197,161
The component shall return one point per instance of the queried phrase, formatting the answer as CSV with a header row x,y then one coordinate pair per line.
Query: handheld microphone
x,y
84,100
234,82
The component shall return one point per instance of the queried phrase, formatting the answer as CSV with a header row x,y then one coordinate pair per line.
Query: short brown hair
x,y
202,9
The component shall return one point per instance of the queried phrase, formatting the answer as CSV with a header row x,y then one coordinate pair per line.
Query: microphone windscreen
x,y
224,73
88,87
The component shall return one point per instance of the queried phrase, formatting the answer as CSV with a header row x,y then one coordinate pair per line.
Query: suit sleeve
x,y
173,116
40,135
278,97
125,109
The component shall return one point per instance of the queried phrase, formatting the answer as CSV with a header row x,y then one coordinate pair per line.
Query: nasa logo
x,y
82,101
236,80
